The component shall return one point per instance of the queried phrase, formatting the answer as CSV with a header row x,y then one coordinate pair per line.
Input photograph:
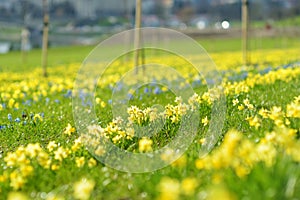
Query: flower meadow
x,y
257,156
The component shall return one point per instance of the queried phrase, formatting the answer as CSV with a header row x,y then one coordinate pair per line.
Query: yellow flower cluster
x,y
276,114
140,116
293,109
83,189
242,154
120,131
19,88
97,137
244,86
237,152
25,159
262,58
33,88
145,144
172,189
100,102
174,113
20,162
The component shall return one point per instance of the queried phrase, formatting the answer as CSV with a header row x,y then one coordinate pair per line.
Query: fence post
x,y
45,37
245,24
137,34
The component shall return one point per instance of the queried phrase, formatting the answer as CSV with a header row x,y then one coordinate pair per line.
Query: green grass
x,y
111,184
14,61
288,22
235,44
262,182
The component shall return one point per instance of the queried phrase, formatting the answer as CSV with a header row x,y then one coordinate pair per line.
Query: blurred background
x,y
86,22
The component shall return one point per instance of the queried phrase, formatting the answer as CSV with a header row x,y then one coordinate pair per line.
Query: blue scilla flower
x,y
27,103
288,65
157,90
9,117
18,120
265,71
130,96
109,101
89,103
2,127
210,81
24,122
57,101
68,94
47,100
118,87
146,90
82,95
123,101
244,75
196,83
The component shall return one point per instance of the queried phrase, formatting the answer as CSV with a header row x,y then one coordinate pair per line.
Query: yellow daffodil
x,y
169,189
205,121
69,130
80,161
83,189
145,144
188,185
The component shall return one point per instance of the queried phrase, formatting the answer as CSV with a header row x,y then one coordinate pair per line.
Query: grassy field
x,y
76,54
43,155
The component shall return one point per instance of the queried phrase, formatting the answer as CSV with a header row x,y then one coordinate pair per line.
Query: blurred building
x,y
222,2
92,8
13,10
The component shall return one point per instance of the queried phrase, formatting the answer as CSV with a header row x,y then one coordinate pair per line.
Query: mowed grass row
x,y
76,54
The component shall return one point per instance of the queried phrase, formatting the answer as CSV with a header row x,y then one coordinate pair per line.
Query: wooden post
x,y
137,34
245,22
25,36
127,36
45,38
25,43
